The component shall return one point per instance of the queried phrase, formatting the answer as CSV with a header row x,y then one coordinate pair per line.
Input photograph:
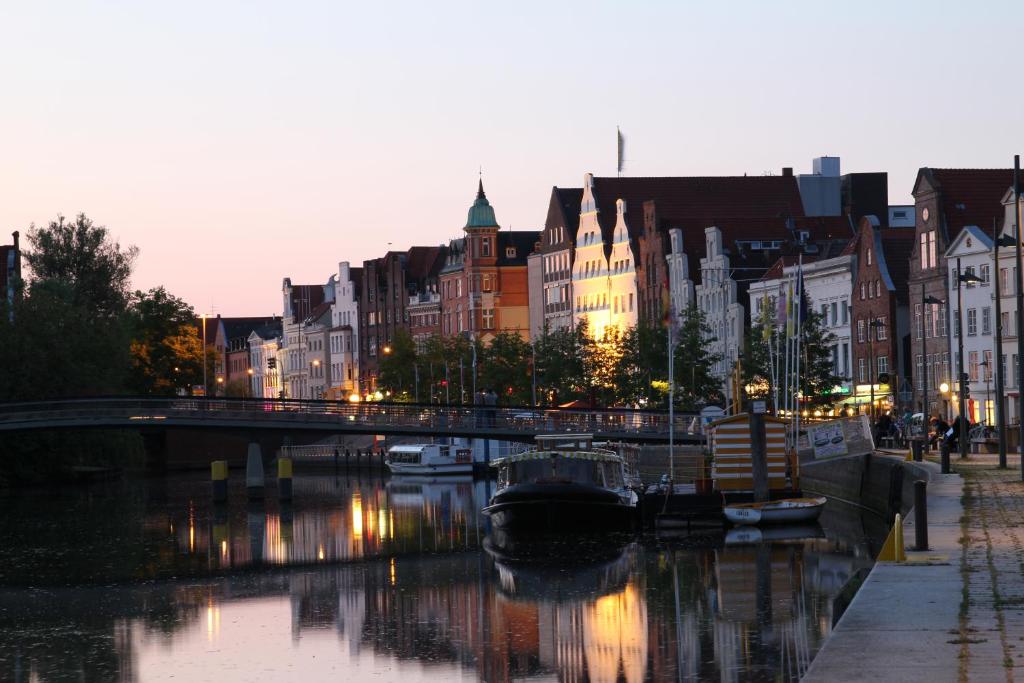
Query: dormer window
x,y
485,246
510,252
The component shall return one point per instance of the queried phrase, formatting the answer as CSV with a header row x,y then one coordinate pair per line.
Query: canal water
x,y
379,579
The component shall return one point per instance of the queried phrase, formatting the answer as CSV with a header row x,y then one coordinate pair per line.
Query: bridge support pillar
x,y
254,471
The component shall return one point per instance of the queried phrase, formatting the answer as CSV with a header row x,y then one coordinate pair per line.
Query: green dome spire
x,y
481,214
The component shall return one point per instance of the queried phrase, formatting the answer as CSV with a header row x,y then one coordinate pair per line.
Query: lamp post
x,y
1000,241
1020,305
961,278
873,326
926,300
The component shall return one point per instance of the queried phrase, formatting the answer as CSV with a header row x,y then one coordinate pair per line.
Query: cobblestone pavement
x,y
991,637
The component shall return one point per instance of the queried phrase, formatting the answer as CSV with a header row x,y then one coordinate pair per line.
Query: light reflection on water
x,y
378,580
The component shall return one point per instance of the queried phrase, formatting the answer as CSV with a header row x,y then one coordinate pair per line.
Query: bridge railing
x,y
427,417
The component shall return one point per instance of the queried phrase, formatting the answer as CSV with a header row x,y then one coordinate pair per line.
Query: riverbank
x,y
955,612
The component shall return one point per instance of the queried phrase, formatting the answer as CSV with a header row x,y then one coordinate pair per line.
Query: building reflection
x,y
435,591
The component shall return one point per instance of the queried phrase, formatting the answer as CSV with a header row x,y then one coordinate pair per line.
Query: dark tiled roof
x,y
357,281
304,299
270,330
564,210
424,263
970,196
896,247
241,328
524,242
318,312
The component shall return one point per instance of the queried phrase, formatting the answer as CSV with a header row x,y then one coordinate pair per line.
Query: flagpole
x,y
671,405
787,397
799,325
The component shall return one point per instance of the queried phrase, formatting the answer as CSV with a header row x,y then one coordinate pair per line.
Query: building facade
x,y
556,257
299,301
972,251
264,343
344,334
945,202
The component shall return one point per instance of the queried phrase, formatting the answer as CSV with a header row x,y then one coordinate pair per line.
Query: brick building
x,y
945,201
556,254
880,317
484,283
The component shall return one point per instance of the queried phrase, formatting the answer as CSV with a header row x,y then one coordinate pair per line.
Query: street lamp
x,y
872,375
926,300
1000,241
961,279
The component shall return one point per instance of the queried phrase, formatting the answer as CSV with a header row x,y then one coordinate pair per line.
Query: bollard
x,y
254,472
284,478
219,479
893,549
921,514
916,450
944,454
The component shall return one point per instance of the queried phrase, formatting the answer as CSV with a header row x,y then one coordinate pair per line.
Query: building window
x,y
485,246
488,315
1004,280
869,256
969,270
918,373
845,310
984,274
956,324
488,282
881,334
883,364
835,316
862,290
986,320
510,252
860,331
862,369
933,260
1004,324
972,322
972,365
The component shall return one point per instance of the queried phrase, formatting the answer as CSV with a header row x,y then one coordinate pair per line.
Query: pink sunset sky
x,y
237,143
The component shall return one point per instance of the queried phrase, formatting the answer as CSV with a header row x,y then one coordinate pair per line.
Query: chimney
x,y
787,171
16,235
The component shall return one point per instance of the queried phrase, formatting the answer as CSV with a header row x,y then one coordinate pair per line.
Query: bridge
x,y
339,418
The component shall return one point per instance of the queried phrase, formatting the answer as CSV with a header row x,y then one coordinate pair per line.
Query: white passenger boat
x,y
784,511
430,459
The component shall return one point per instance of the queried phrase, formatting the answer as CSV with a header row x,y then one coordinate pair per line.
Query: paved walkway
x,y
954,613
991,634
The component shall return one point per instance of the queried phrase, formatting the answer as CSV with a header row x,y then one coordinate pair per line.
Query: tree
x,y
83,257
641,375
398,366
558,367
695,385
166,349
817,376
506,368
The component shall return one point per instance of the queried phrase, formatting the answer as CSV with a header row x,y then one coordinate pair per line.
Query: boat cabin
x,y
418,454
563,458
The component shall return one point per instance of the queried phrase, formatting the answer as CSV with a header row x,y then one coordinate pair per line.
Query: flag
x,y
789,310
621,146
780,305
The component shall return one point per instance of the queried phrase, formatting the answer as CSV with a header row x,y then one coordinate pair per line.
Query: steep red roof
x,y
896,246
695,203
970,196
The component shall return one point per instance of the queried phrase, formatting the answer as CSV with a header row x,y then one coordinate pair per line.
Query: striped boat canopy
x,y
606,456
732,469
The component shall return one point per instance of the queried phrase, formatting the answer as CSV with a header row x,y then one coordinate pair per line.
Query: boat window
x,y
579,471
613,475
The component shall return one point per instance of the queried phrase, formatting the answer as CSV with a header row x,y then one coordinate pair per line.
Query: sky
x,y
238,143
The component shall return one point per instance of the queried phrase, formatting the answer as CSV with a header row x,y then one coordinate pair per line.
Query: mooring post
x,y
759,456
921,514
284,478
219,479
944,456
254,471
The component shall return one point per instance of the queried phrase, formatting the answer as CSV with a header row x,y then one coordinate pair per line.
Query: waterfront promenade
x,y
955,612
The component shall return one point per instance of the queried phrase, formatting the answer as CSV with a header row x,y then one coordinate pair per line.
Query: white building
x,y
603,287
300,302
535,286
681,290
263,359
716,295
973,248
343,362
829,287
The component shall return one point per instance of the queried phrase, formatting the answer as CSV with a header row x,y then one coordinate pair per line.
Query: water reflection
x,y
425,593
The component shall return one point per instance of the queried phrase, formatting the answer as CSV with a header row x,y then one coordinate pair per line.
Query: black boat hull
x,y
559,507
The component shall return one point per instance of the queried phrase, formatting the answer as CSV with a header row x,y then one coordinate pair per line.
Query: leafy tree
x,y
558,366
166,349
82,256
817,378
641,375
506,368
397,366
695,386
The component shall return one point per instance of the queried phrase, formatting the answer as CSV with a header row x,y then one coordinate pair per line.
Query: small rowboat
x,y
787,510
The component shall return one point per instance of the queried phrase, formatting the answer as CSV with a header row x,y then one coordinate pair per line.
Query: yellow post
x,y
893,549
284,478
219,479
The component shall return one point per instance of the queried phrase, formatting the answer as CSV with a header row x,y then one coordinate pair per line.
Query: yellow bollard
x,y
893,549
284,478
219,478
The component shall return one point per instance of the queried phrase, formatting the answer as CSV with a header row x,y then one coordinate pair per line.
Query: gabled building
x,y
945,202
10,272
344,334
556,257
299,303
972,249
264,342
880,316
231,346
423,288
